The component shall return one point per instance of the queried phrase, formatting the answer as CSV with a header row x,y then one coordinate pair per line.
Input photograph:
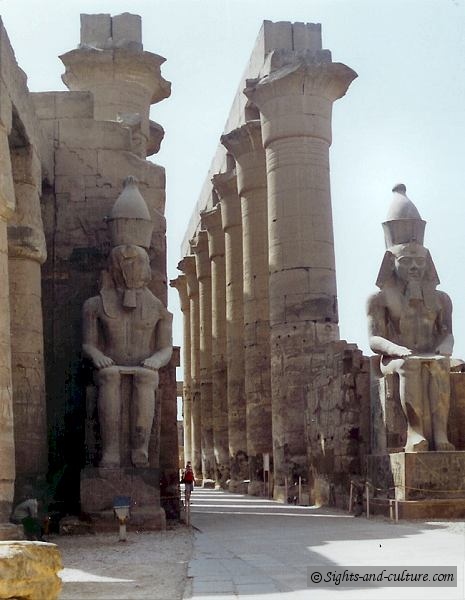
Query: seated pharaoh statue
x,y
127,331
410,327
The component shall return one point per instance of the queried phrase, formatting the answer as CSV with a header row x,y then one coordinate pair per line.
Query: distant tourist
x,y
188,480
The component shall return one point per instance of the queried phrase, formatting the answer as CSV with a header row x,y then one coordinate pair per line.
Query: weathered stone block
x,y
74,161
88,134
63,105
457,410
99,487
28,570
418,475
126,28
95,29
306,36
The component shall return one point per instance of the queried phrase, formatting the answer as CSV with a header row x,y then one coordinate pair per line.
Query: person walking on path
x,y
188,480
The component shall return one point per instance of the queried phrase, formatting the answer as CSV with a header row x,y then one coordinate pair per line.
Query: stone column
x,y
202,262
226,186
7,442
123,78
295,102
26,253
211,222
245,144
187,266
180,283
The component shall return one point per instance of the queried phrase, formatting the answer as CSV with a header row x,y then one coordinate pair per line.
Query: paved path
x,y
257,549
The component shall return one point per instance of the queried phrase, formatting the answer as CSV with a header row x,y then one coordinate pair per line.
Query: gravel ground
x,y
149,565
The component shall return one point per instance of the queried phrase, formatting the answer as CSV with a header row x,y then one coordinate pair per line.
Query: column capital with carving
x,y
180,283
225,185
187,266
7,192
26,238
246,146
212,223
199,247
87,68
295,99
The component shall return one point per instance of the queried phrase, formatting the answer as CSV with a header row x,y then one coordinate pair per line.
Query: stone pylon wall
x,y
100,132
271,183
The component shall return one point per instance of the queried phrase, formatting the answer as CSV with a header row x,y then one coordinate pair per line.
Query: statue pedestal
x,y
425,484
99,486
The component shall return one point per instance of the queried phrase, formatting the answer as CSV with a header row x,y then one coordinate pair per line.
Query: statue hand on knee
x,y
151,363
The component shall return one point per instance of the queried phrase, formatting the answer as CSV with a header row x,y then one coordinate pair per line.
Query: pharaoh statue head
x,y
406,261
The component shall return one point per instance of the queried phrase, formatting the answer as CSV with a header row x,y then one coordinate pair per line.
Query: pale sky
x,y
402,120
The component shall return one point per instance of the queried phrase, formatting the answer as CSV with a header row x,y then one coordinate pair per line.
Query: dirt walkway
x,y
149,565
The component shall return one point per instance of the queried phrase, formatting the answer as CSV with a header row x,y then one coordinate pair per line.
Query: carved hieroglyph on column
x,y
180,283
245,144
211,221
127,332
187,266
226,186
410,327
199,247
26,254
7,442
295,102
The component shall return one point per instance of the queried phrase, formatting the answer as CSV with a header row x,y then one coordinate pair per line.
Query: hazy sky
x,y
402,120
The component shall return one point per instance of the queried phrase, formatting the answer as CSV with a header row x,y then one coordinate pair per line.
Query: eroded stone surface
x,y
29,570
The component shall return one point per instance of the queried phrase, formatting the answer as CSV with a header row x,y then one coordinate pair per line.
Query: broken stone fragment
x,y
28,570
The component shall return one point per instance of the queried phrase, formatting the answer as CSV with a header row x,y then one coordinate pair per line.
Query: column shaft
x,y
295,103
245,144
226,186
202,261
211,221
187,265
7,442
180,283
26,249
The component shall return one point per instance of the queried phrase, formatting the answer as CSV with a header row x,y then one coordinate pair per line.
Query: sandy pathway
x,y
149,565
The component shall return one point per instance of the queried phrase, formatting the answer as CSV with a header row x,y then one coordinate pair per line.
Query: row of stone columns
x,y
278,293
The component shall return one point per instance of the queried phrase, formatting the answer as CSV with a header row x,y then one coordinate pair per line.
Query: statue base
x,y
424,484
99,487
10,531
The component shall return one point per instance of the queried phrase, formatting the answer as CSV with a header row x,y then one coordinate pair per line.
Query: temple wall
x,y
337,422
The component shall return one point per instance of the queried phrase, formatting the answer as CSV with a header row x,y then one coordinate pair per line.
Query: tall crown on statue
x,y
129,221
403,224
404,232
